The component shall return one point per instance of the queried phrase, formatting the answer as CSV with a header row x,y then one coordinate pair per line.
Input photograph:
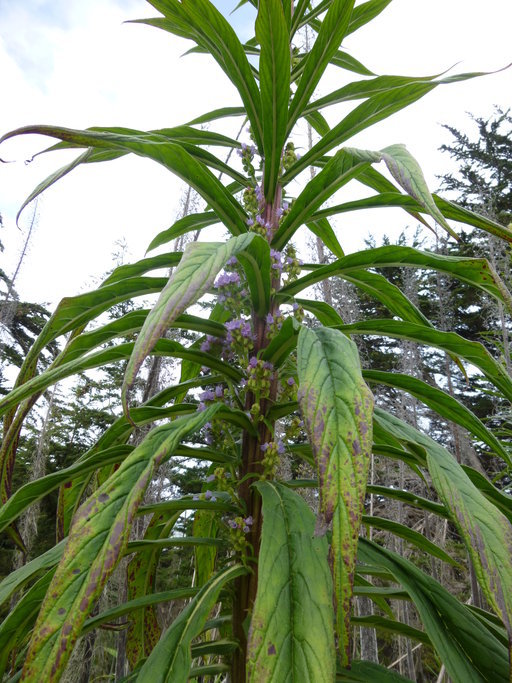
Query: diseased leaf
x,y
487,533
337,408
200,265
97,539
291,637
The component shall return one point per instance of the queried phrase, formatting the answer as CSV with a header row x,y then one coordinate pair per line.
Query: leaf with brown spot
x,y
291,636
487,533
337,407
195,274
97,539
144,630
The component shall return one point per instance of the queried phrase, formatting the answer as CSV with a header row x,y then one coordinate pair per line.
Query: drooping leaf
x,y
291,636
337,408
158,148
406,171
472,352
468,651
97,538
143,630
443,404
171,659
487,533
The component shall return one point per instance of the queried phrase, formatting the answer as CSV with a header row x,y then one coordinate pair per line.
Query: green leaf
x,y
143,630
273,36
466,648
442,403
475,271
255,260
291,636
221,113
171,659
171,155
200,265
23,497
19,577
341,168
194,221
337,409
473,352
18,623
216,35
487,533
375,109
282,344
408,174
322,229
365,12
97,539
363,672
410,535
501,500
332,32
325,313
346,61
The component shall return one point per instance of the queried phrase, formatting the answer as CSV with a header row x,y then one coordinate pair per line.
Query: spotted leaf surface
x,y
97,539
486,531
291,637
337,407
196,273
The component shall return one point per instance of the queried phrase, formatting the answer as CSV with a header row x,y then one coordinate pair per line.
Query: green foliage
x,y
271,583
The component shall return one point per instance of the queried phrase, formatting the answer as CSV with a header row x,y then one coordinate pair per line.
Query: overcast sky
x,y
75,63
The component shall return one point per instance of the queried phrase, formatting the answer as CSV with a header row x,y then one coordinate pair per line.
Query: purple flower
x,y
264,447
201,407
269,319
246,330
207,396
232,523
219,391
253,362
209,495
295,306
268,365
249,520
291,381
286,206
205,346
250,221
246,529
231,261
210,478
195,497
280,447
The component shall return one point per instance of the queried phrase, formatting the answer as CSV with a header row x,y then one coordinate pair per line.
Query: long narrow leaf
x,y
337,408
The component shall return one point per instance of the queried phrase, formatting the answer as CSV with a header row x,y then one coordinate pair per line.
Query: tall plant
x,y
263,385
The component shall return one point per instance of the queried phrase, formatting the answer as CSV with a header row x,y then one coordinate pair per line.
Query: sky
x,y
78,64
